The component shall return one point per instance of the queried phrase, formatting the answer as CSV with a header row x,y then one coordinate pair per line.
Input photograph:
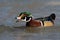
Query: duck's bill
x,y
19,18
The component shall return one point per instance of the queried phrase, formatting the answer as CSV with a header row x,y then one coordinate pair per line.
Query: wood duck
x,y
38,22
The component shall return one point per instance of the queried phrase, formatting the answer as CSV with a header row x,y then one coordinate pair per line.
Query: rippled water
x,y
9,9
24,33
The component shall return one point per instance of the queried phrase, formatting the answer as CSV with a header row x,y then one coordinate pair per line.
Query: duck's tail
x,y
52,16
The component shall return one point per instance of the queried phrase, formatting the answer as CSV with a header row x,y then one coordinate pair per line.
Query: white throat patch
x,y
26,20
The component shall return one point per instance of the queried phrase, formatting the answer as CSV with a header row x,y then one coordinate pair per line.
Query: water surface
x,y
9,29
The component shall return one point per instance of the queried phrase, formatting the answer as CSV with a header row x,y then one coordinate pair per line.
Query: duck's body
x,y
37,23
33,23
45,21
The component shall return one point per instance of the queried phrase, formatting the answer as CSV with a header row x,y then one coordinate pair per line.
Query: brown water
x,y
9,29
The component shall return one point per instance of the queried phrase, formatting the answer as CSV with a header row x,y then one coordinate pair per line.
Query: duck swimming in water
x,y
38,22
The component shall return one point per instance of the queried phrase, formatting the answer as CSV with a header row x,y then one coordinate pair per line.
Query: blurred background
x,y
9,9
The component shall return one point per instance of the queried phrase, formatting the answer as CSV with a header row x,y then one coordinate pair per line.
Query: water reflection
x,y
29,33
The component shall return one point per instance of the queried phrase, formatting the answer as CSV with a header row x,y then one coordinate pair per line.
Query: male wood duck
x,y
38,22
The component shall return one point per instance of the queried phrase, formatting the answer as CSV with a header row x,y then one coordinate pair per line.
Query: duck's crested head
x,y
25,13
26,16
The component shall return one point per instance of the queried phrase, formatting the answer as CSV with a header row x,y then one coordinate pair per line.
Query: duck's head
x,y
24,16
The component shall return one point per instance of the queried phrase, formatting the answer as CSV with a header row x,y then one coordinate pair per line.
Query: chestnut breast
x,y
34,23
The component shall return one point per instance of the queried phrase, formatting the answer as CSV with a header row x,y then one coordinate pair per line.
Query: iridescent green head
x,y
25,16
25,13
